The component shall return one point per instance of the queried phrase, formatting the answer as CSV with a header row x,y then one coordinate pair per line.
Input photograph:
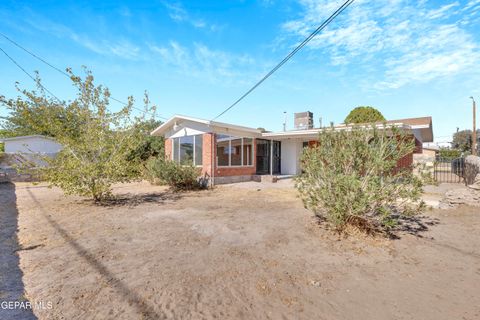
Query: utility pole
x,y
474,132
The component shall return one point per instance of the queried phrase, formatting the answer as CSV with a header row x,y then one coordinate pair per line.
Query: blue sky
x,y
406,58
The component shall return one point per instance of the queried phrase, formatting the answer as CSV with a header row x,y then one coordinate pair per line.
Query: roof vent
x,y
303,120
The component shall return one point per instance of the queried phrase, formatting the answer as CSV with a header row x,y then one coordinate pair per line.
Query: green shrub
x,y
449,154
173,174
351,178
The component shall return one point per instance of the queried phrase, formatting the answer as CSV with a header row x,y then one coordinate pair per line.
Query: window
x,y
198,150
188,150
176,149
247,151
223,150
234,151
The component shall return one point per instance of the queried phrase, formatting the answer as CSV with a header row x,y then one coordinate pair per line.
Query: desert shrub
x,y
173,174
351,178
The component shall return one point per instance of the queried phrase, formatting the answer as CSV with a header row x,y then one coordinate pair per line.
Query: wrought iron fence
x,y
449,170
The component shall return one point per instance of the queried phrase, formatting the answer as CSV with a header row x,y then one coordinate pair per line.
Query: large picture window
x,y
188,150
234,151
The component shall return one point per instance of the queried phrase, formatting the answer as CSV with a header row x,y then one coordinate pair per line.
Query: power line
x,y
61,71
34,55
28,74
291,54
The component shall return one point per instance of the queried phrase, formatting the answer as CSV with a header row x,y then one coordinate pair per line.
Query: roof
x,y
315,131
414,122
421,125
164,127
26,137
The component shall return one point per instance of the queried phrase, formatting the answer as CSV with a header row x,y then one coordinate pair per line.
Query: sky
x,y
405,58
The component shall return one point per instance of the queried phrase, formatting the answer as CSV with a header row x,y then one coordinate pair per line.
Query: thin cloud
x,y
443,11
404,41
200,61
180,15
120,48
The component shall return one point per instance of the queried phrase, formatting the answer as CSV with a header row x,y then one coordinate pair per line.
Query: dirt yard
x,y
231,253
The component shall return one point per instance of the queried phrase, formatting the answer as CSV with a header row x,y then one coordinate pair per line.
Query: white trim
x,y
27,137
213,124
230,155
194,150
236,166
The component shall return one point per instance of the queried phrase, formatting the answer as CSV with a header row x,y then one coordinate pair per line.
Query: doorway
x,y
265,156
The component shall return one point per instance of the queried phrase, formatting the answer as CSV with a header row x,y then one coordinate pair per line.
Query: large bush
x,y
173,174
351,178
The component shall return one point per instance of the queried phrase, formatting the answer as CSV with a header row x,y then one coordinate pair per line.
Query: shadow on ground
x,y
133,200
413,225
142,306
11,283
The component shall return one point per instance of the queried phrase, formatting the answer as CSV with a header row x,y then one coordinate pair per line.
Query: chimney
x,y
303,120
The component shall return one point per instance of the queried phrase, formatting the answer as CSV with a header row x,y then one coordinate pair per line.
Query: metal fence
x,y
449,170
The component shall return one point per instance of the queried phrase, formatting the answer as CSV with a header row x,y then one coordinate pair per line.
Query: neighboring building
x,y
430,151
31,147
229,153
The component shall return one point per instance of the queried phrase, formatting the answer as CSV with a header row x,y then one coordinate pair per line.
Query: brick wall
x,y
405,162
234,171
208,142
209,157
418,146
168,149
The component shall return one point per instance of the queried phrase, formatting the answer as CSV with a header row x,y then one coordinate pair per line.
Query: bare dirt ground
x,y
236,252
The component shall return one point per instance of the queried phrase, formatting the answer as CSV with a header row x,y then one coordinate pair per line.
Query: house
x,y
29,148
227,153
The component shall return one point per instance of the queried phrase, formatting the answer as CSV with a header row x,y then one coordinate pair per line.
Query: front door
x,y
264,156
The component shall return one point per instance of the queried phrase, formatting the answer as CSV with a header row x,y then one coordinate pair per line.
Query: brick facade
x,y
418,146
168,149
209,159
236,170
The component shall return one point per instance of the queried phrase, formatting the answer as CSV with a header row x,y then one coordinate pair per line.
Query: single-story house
x,y
228,153
29,148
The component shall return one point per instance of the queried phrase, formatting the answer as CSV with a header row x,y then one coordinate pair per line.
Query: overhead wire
x,y
29,75
56,69
337,12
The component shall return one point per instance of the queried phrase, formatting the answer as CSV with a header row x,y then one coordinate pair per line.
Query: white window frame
x,y
230,154
194,153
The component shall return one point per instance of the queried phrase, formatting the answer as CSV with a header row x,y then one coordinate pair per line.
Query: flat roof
x,y
26,137
423,125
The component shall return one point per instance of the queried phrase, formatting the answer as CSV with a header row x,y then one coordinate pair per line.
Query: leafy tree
x,y
462,140
96,142
27,115
352,178
364,115
149,146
